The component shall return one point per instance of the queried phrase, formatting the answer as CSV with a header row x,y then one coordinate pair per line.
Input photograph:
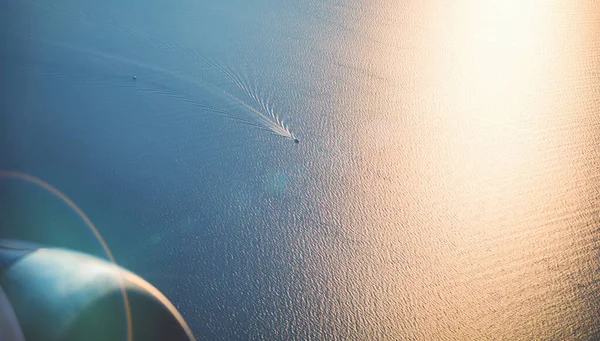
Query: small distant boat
x,y
296,141
134,77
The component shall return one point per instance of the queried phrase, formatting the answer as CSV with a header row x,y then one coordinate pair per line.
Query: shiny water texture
x,y
446,183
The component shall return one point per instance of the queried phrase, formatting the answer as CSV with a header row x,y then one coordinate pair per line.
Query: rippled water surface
x,y
446,183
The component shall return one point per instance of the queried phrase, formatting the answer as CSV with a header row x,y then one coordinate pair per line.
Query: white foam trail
x,y
274,124
268,114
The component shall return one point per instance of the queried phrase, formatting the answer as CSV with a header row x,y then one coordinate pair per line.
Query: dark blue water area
x,y
207,207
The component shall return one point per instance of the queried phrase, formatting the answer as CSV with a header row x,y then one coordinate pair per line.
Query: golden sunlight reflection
x,y
478,154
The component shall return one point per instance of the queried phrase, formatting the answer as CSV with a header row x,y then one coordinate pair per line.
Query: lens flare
x,y
32,179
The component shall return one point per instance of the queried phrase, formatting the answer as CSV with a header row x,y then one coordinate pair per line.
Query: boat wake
x,y
255,110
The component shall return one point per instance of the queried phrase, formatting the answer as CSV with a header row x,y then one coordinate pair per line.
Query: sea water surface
x,y
446,185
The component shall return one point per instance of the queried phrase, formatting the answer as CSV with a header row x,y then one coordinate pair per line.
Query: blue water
x,y
205,207
444,187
